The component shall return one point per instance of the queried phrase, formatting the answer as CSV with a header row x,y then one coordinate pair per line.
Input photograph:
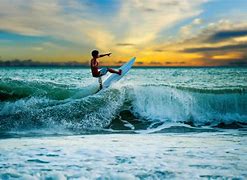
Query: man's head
x,y
95,53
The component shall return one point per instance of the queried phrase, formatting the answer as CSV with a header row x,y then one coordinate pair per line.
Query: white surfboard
x,y
115,77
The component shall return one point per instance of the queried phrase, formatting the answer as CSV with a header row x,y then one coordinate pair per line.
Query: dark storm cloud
x,y
225,35
240,47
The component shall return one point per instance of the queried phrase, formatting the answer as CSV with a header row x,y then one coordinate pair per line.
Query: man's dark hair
x,y
95,53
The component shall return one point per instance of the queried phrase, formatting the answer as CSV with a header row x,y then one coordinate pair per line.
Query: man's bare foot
x,y
120,72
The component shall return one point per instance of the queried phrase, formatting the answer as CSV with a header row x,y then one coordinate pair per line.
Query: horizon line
x,y
74,63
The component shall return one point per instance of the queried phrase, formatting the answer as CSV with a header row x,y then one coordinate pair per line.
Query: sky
x,y
157,32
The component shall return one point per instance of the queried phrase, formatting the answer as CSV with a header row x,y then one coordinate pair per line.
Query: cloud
x,y
216,37
149,10
159,50
221,48
228,55
189,30
125,44
137,24
139,62
211,44
126,28
225,35
175,63
38,48
141,27
24,17
44,18
80,22
197,21
155,63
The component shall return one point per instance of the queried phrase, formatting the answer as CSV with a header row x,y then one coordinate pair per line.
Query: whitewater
x,y
155,123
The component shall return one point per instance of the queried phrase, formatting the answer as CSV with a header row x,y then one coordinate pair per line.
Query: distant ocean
x,y
156,123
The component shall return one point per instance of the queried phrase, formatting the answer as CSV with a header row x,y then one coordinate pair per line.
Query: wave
x,y
35,105
176,105
91,112
16,89
207,90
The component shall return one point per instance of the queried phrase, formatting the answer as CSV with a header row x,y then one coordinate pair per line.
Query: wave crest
x,y
177,105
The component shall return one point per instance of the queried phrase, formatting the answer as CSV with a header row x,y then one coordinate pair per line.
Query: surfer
x,y
96,72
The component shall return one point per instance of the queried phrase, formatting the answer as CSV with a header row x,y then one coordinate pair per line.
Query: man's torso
x,y
95,68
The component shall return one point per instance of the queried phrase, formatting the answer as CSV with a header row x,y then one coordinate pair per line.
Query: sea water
x,y
156,123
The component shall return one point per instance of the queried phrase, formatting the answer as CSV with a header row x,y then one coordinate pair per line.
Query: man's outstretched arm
x,y
102,55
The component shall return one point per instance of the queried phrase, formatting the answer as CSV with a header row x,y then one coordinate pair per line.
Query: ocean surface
x,y
155,123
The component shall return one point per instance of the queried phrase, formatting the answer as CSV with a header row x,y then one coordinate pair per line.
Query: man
x,y
96,72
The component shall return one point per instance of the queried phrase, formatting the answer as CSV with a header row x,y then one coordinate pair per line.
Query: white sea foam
x,y
126,156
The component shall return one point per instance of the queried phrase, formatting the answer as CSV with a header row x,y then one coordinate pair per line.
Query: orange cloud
x,y
228,56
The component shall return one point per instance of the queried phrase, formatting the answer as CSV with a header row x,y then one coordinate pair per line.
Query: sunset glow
x,y
158,32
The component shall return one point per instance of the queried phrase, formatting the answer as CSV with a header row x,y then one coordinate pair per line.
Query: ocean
x,y
155,123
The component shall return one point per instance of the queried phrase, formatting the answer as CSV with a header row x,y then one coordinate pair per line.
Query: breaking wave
x,y
183,105
30,105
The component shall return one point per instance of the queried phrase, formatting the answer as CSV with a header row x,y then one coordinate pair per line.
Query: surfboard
x,y
112,78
